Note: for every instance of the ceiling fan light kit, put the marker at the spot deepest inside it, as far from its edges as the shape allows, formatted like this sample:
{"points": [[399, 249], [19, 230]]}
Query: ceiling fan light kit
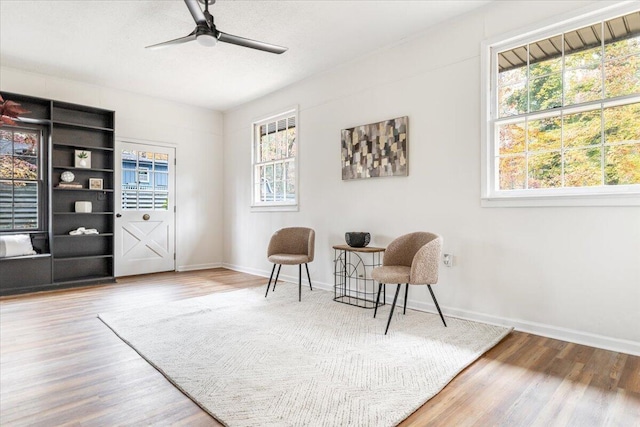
{"points": [[207, 34], [207, 40]]}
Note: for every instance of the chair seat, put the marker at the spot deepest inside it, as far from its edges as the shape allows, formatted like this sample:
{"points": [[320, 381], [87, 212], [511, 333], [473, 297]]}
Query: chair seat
{"points": [[289, 259], [391, 274]]}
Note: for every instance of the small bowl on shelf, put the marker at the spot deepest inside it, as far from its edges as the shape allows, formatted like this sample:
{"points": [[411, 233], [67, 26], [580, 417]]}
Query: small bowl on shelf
{"points": [[357, 239]]}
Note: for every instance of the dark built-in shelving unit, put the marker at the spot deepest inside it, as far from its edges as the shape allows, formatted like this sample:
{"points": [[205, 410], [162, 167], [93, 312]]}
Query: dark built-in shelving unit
{"points": [[66, 260]]}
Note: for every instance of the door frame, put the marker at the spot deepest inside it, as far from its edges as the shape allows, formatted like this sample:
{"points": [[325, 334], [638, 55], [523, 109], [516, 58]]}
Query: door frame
{"points": [[118, 183]]}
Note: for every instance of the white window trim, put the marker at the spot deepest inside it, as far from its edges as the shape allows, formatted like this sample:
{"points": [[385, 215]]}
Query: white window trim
{"points": [[628, 195], [276, 206]]}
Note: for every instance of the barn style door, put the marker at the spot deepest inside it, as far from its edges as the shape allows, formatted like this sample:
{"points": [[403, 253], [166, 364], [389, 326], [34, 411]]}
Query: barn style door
{"points": [[145, 209]]}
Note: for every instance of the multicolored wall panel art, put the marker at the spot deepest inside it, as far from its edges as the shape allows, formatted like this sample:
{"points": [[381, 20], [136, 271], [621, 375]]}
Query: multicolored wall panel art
{"points": [[377, 149]]}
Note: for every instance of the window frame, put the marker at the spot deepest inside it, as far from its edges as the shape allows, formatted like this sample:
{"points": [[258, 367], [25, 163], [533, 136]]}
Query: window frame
{"points": [[255, 205], [623, 195], [42, 179]]}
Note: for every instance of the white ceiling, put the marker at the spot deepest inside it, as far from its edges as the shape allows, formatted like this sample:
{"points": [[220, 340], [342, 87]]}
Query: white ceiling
{"points": [[102, 42]]}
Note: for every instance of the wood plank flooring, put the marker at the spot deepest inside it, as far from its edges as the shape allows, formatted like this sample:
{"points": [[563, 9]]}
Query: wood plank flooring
{"points": [[60, 366]]}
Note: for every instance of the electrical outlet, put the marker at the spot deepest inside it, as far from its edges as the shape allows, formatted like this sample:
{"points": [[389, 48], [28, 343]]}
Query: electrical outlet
{"points": [[447, 259]]}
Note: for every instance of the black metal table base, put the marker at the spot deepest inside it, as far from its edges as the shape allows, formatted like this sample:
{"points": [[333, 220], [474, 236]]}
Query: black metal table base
{"points": [[353, 284]]}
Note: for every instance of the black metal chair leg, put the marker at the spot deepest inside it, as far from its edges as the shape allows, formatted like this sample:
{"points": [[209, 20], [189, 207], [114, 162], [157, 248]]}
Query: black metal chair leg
{"points": [[277, 275], [437, 306], [377, 300], [270, 277], [392, 307], [308, 276], [406, 295], [299, 282]]}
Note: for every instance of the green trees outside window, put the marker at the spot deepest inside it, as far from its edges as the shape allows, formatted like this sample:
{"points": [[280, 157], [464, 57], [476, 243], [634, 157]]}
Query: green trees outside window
{"points": [[19, 178], [568, 110]]}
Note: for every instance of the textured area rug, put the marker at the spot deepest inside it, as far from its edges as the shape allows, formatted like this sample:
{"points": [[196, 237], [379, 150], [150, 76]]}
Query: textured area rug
{"points": [[255, 361]]}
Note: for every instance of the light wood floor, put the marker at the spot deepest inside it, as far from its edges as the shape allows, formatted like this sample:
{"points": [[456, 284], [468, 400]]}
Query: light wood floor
{"points": [[59, 365]]}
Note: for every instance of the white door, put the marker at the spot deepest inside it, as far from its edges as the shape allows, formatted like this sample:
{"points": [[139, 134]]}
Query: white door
{"points": [[145, 209]]}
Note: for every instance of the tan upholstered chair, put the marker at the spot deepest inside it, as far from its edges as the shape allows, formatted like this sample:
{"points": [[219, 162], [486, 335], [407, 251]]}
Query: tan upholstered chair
{"points": [[412, 259], [291, 246]]}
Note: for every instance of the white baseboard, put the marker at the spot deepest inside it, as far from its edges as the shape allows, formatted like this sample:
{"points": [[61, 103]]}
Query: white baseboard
{"points": [[194, 267], [283, 277], [549, 331], [247, 270]]}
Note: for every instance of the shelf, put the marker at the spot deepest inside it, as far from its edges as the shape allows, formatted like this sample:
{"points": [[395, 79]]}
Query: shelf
{"points": [[82, 169], [68, 260], [81, 126], [39, 108], [85, 280], [25, 257], [104, 190], [29, 232], [88, 117], [81, 258], [77, 236], [27, 120], [83, 213], [81, 146]]}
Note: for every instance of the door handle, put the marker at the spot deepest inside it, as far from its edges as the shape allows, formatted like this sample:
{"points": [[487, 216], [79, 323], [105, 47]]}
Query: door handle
{"points": [[118, 215], [146, 217]]}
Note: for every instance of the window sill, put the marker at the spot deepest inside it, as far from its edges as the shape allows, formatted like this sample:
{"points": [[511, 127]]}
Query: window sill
{"points": [[513, 201], [274, 208]]}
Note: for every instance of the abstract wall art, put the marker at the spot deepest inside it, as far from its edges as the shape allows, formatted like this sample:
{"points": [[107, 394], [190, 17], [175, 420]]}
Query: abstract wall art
{"points": [[377, 149]]}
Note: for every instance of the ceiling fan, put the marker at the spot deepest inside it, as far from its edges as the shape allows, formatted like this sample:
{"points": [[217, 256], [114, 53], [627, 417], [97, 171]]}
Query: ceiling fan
{"points": [[207, 34]]}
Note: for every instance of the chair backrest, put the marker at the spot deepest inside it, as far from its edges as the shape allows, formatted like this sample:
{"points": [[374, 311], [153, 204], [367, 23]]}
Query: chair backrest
{"points": [[424, 270], [293, 241], [402, 250]]}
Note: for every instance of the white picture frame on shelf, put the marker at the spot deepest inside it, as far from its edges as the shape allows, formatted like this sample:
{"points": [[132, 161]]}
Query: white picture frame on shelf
{"points": [[82, 159], [96, 184]]}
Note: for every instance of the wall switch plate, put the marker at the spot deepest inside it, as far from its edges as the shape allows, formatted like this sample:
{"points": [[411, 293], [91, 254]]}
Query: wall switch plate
{"points": [[447, 259]]}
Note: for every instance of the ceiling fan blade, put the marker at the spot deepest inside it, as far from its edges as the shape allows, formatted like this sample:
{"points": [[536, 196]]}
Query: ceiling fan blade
{"points": [[254, 44], [196, 12], [181, 40]]}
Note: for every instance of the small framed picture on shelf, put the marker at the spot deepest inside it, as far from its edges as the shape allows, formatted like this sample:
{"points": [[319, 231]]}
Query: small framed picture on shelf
{"points": [[82, 159], [95, 183]]}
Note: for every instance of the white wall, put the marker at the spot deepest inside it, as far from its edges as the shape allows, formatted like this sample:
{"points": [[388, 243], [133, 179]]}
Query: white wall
{"points": [[195, 132], [572, 273]]}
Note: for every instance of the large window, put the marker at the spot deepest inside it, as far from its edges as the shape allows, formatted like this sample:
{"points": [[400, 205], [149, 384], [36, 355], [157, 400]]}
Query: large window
{"points": [[275, 152], [20, 178], [564, 113]]}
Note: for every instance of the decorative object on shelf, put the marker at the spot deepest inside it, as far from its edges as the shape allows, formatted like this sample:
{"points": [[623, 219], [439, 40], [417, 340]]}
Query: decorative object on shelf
{"points": [[83, 207], [67, 180], [9, 112], [73, 184], [81, 230], [82, 159], [377, 149], [67, 176], [357, 239], [96, 183]]}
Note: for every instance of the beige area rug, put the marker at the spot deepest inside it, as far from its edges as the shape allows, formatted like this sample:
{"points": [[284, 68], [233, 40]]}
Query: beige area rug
{"points": [[254, 361]]}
